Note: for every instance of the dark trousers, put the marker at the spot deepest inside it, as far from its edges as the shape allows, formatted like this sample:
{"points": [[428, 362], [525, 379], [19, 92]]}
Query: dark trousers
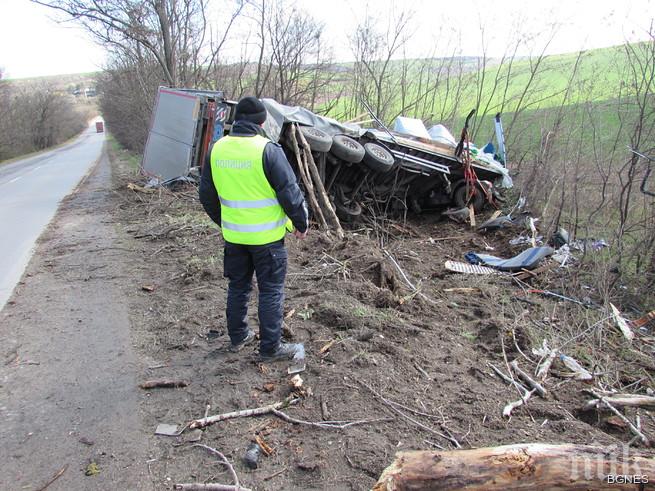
{"points": [[269, 262]]}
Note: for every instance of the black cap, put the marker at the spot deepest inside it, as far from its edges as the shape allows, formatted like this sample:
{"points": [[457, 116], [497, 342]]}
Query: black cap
{"points": [[251, 109]]}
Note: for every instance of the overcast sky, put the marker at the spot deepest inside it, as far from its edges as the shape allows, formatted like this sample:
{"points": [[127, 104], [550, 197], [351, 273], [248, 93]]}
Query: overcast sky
{"points": [[32, 44]]}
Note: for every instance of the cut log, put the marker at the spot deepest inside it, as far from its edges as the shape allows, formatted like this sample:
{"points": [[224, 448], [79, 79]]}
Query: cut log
{"points": [[516, 467]]}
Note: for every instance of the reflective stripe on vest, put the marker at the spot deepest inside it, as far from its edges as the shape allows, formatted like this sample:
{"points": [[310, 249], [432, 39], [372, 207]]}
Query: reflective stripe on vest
{"points": [[250, 211], [257, 203], [254, 228]]}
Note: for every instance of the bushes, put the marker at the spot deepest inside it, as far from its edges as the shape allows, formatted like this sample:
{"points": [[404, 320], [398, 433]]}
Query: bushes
{"points": [[126, 94], [34, 116]]}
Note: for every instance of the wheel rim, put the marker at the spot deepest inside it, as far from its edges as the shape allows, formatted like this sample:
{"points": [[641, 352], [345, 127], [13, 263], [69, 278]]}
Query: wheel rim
{"points": [[349, 143], [378, 152]]}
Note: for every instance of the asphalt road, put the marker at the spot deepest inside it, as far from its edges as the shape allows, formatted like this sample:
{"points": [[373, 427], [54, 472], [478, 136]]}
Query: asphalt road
{"points": [[30, 192]]}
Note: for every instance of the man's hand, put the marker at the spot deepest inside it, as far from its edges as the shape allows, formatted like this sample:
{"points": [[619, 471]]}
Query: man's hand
{"points": [[300, 235]]}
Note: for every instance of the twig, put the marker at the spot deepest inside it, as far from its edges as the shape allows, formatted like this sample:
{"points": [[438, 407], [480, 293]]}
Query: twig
{"points": [[339, 425], [429, 442], [392, 405], [281, 471], [223, 461], [409, 283], [54, 478], [423, 372]]}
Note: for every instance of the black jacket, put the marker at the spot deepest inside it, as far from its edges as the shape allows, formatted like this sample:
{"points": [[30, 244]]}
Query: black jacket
{"points": [[276, 169]]}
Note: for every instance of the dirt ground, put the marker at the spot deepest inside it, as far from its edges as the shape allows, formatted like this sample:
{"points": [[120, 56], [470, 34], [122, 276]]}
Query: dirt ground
{"points": [[370, 339]]}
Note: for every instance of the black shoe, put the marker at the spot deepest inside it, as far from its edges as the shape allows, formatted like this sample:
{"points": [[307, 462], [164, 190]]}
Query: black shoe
{"points": [[284, 351], [250, 337]]}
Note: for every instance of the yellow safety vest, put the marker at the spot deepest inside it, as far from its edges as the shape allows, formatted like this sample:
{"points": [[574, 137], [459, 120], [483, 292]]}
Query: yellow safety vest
{"points": [[250, 211]]}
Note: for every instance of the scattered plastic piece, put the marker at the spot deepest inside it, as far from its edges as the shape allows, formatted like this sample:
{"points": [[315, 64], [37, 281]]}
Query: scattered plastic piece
{"points": [[528, 259]]}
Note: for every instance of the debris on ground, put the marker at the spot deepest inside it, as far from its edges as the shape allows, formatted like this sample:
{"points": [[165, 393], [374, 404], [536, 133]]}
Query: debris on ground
{"points": [[400, 344]]}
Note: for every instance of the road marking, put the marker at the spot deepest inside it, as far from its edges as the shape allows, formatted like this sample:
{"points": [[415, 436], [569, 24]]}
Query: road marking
{"points": [[14, 179]]}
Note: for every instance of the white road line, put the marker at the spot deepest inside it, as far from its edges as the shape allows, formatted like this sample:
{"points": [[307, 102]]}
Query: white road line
{"points": [[14, 179]]}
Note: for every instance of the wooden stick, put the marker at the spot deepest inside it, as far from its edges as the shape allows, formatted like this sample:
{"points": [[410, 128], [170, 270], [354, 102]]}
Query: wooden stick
{"points": [[329, 211], [203, 422], [472, 216], [305, 179], [163, 383], [528, 380]]}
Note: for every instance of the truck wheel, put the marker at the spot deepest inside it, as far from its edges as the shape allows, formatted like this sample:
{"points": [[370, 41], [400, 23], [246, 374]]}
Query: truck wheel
{"points": [[478, 199], [347, 212], [377, 158], [319, 141], [347, 149]]}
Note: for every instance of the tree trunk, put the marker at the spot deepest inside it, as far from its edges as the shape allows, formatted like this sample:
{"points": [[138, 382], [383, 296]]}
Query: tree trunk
{"points": [[523, 466]]}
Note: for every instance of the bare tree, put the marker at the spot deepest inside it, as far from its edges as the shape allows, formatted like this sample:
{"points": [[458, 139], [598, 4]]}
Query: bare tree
{"points": [[374, 79], [174, 32]]}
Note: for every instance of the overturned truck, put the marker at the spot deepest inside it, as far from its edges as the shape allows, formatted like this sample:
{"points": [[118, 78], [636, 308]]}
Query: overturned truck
{"points": [[407, 168]]}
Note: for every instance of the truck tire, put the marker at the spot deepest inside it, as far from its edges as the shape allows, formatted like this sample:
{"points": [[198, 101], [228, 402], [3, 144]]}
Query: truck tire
{"points": [[377, 158], [346, 209], [347, 149], [319, 141], [478, 199]]}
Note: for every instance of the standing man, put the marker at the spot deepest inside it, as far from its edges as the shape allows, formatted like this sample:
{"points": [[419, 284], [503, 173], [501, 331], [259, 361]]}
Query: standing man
{"points": [[250, 190]]}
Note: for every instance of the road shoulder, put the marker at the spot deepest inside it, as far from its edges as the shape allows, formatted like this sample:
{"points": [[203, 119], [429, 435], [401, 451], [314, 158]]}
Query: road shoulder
{"points": [[70, 396]]}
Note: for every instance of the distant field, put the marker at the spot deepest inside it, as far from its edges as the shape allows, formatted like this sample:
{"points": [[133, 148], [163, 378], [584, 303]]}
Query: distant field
{"points": [[598, 76]]}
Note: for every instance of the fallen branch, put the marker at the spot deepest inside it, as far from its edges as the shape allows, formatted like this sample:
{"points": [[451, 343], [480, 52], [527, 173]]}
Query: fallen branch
{"points": [[206, 421], [523, 466], [163, 383], [309, 188], [631, 400], [618, 413], [322, 195], [528, 380]]}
